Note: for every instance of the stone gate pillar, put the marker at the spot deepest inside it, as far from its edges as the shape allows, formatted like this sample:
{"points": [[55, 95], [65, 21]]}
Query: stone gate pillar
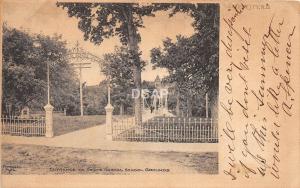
{"points": [[49, 120], [143, 104], [154, 103], [109, 110], [166, 103]]}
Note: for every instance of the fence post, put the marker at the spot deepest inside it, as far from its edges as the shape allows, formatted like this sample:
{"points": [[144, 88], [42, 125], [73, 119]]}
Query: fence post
{"points": [[49, 120], [109, 109]]}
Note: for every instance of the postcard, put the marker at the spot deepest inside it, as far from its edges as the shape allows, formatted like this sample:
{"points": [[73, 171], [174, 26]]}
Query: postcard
{"points": [[150, 94]]}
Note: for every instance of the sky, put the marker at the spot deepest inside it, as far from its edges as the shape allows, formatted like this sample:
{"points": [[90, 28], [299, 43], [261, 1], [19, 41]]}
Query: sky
{"points": [[43, 16]]}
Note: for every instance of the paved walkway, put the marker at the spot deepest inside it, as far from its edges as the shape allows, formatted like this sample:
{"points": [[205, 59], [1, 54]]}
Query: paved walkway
{"points": [[94, 138]]}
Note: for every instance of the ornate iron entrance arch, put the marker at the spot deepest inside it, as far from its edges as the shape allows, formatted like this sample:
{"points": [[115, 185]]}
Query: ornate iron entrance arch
{"points": [[79, 54]]}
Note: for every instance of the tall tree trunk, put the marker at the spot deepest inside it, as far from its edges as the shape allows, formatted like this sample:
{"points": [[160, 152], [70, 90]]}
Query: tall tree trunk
{"points": [[177, 103], [189, 106], [11, 109], [133, 49], [121, 109], [189, 103], [214, 106]]}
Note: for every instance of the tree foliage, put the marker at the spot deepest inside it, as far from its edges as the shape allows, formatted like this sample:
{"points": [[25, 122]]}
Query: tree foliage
{"points": [[99, 21], [192, 62], [118, 67], [95, 99], [25, 58], [191, 66]]}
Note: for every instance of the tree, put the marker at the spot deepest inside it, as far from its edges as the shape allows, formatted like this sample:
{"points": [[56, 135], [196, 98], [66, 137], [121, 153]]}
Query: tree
{"points": [[24, 71], [104, 20], [19, 78], [192, 62], [95, 99], [63, 78], [115, 65], [206, 24], [190, 66]]}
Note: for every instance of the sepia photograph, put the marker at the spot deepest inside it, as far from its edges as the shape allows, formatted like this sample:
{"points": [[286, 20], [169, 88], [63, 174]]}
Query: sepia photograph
{"points": [[109, 88], [149, 94]]}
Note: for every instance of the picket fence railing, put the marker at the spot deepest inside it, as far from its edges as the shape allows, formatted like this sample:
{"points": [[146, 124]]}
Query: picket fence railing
{"points": [[17, 126], [167, 129]]}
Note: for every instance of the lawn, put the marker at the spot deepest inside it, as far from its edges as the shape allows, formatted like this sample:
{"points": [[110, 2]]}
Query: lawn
{"points": [[42, 160], [65, 124]]}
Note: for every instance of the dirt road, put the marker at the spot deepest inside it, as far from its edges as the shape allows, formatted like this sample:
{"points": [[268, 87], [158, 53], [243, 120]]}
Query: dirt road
{"points": [[34, 159]]}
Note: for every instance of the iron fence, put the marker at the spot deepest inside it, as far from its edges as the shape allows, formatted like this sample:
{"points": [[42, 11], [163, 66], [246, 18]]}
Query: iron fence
{"points": [[167, 129], [17, 126]]}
